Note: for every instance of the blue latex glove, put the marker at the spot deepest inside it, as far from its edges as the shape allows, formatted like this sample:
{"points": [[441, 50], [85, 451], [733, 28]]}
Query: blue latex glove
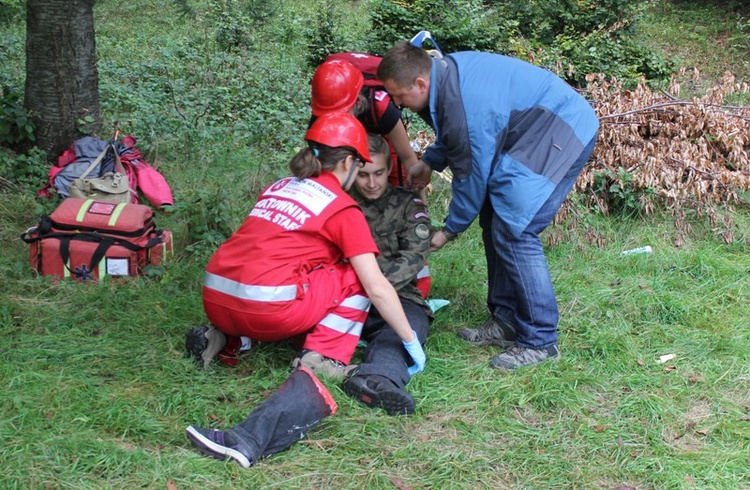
{"points": [[414, 348]]}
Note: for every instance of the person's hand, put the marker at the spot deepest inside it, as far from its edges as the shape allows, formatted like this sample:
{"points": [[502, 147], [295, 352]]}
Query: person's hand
{"points": [[438, 241], [414, 348], [418, 176]]}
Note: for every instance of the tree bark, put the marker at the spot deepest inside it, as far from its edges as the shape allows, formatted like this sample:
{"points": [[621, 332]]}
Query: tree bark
{"points": [[62, 81]]}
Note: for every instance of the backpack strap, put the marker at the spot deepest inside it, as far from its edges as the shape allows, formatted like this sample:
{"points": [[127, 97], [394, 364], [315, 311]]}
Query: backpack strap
{"points": [[96, 162], [119, 167]]}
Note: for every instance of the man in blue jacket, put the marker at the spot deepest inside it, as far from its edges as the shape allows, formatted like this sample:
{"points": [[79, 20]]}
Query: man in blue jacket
{"points": [[516, 137]]}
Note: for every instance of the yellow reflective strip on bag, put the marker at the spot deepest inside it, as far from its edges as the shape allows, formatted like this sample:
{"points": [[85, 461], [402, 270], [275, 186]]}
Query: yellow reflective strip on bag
{"points": [[102, 267], [66, 270], [116, 214], [82, 211]]}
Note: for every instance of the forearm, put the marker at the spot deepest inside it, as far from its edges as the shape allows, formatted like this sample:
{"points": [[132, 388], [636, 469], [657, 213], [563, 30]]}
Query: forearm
{"points": [[389, 306], [399, 138], [382, 294], [434, 157]]}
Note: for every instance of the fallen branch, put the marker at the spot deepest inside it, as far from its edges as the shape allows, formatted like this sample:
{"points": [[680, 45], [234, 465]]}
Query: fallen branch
{"points": [[645, 109], [677, 102]]}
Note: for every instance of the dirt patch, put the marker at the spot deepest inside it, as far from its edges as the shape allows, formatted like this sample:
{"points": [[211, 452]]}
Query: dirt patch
{"points": [[689, 431]]}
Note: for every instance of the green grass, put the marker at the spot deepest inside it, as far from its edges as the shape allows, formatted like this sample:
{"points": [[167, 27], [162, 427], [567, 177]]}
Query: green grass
{"points": [[96, 392], [706, 34], [100, 396]]}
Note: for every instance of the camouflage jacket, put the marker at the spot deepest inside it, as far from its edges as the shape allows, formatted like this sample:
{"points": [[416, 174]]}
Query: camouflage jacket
{"points": [[400, 225]]}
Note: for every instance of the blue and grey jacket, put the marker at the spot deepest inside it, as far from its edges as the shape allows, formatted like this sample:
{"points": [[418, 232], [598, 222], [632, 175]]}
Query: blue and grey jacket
{"points": [[504, 127]]}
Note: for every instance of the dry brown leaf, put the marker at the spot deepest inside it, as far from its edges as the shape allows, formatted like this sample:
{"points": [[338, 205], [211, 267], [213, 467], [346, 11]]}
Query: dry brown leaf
{"points": [[399, 484]]}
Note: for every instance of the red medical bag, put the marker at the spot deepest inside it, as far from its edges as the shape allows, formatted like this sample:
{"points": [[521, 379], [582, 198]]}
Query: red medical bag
{"points": [[85, 240]]}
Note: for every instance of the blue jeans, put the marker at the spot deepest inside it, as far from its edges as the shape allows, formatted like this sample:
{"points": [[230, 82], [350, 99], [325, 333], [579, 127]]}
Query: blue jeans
{"points": [[520, 291]]}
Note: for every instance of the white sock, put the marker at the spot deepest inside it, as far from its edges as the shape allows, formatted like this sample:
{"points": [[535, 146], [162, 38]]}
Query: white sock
{"points": [[247, 343]]}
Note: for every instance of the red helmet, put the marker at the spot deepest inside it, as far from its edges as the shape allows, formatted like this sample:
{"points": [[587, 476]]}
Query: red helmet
{"points": [[337, 129], [335, 87]]}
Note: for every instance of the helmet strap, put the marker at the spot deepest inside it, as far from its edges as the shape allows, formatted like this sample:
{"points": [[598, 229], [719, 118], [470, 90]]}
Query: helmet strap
{"points": [[352, 170]]}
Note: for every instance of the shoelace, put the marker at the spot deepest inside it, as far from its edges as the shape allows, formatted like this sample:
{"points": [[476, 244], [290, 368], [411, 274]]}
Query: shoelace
{"points": [[515, 350], [336, 363]]}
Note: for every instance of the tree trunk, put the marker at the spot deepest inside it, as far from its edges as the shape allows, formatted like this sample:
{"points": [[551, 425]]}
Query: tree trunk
{"points": [[62, 81]]}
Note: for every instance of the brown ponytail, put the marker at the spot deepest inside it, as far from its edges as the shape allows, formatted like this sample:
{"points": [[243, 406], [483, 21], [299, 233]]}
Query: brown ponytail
{"points": [[306, 164]]}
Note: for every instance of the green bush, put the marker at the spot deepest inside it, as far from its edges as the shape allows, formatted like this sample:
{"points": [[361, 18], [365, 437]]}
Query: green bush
{"points": [[11, 11], [457, 25], [618, 193], [333, 30], [25, 171], [210, 218], [16, 127], [545, 20], [202, 93], [578, 36], [602, 52], [323, 37], [233, 27], [234, 21]]}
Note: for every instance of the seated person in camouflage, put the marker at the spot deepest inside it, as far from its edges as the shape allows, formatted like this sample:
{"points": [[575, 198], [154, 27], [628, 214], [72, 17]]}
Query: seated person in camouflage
{"points": [[400, 226]]}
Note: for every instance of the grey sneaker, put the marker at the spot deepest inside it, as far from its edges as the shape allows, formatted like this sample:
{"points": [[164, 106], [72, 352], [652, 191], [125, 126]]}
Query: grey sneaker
{"points": [[493, 332], [203, 343], [319, 364], [516, 357]]}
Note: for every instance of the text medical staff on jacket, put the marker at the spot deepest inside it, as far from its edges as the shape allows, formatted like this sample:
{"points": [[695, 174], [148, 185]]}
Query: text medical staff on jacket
{"points": [[516, 137], [304, 261]]}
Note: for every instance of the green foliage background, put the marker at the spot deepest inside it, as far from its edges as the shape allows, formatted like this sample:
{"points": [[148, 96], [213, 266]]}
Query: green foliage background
{"points": [[570, 37]]}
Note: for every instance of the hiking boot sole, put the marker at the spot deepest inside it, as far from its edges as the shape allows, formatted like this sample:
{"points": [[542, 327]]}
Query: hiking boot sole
{"points": [[196, 343], [393, 401]]}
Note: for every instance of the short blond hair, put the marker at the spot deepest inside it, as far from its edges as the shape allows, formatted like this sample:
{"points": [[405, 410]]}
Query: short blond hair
{"points": [[379, 146]]}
